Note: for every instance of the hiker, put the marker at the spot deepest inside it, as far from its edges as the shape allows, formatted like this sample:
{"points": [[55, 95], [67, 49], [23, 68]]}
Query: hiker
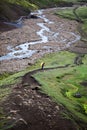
{"points": [[42, 65]]}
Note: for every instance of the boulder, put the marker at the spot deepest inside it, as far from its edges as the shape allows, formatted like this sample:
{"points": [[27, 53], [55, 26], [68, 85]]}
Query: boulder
{"points": [[77, 95]]}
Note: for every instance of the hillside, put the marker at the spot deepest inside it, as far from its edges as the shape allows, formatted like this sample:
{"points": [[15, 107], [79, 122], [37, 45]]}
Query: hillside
{"points": [[55, 97], [11, 11]]}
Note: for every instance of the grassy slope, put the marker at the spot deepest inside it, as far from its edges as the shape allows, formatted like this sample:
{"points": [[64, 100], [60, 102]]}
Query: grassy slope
{"points": [[24, 3], [62, 84], [82, 14], [7, 81], [13, 9]]}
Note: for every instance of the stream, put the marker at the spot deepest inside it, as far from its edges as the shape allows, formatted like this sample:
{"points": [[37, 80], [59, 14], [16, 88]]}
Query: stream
{"points": [[23, 50]]}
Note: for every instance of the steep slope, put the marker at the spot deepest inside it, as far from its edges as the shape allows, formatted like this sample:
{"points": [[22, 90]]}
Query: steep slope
{"points": [[9, 11]]}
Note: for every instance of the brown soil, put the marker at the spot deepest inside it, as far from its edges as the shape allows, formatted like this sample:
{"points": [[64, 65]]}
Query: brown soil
{"points": [[29, 109]]}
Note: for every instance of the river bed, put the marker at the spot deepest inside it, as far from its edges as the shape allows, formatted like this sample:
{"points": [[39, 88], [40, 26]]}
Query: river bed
{"points": [[22, 51], [53, 35]]}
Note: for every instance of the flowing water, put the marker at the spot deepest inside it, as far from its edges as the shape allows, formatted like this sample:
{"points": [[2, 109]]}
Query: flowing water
{"points": [[23, 51]]}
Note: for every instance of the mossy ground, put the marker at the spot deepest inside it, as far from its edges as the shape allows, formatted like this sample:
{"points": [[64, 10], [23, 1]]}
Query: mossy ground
{"points": [[63, 83]]}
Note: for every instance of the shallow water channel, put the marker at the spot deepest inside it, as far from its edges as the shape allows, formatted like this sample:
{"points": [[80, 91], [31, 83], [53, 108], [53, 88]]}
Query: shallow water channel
{"points": [[23, 50]]}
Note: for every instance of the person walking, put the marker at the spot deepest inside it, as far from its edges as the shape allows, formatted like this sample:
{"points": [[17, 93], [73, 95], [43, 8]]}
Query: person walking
{"points": [[42, 65]]}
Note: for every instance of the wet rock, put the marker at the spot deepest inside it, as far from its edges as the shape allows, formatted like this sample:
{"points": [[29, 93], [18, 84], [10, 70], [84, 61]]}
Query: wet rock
{"points": [[33, 16], [38, 51], [77, 95]]}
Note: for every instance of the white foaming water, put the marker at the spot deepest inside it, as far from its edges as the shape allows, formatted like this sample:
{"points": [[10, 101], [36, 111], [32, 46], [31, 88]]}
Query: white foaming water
{"points": [[23, 51]]}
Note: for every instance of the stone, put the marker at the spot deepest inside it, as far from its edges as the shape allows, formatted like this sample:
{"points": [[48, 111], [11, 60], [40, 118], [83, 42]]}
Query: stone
{"points": [[36, 88], [57, 107], [77, 95], [9, 118], [13, 111], [21, 121]]}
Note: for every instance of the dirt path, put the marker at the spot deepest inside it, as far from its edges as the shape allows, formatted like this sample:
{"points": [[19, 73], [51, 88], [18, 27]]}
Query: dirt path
{"points": [[29, 109]]}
